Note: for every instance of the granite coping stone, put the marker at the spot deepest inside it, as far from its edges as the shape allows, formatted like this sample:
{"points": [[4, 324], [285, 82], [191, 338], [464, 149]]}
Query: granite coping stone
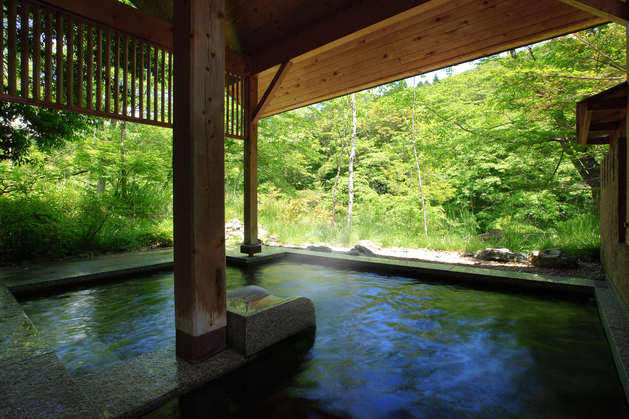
{"points": [[41, 387], [248, 293], [616, 327], [258, 324], [438, 271], [131, 388]]}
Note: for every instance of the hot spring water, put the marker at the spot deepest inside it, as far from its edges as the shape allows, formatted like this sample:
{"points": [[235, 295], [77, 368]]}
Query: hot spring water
{"points": [[384, 346]]}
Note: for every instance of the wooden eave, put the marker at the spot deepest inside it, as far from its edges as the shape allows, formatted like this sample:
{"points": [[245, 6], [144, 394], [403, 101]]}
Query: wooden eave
{"points": [[601, 118]]}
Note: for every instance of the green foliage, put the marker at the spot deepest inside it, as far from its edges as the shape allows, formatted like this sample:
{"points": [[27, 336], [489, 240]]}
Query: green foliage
{"points": [[24, 127], [496, 148]]}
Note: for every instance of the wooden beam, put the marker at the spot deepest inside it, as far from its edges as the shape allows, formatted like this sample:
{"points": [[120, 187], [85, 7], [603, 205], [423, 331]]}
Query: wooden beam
{"points": [[614, 104], [118, 16], [604, 127], [198, 175], [612, 10], [271, 90], [598, 140], [347, 23]]}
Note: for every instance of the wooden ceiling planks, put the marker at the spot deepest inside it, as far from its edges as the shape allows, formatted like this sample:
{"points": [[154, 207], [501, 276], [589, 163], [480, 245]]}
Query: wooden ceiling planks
{"points": [[454, 32], [342, 46]]}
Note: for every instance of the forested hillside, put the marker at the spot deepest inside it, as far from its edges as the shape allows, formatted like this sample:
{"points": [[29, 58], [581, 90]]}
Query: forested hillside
{"points": [[494, 147]]}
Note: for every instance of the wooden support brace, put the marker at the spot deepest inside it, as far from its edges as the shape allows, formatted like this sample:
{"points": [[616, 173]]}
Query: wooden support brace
{"points": [[271, 90], [613, 10]]}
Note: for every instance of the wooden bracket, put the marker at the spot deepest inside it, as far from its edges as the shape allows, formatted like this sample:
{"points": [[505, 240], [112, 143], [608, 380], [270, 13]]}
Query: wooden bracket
{"points": [[271, 90], [613, 10]]}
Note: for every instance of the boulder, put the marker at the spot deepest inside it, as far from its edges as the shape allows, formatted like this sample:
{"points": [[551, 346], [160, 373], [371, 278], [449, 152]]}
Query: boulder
{"points": [[554, 258], [500, 254], [366, 247]]}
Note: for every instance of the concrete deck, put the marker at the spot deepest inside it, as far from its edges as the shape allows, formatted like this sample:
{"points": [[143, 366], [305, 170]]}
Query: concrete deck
{"points": [[36, 384]]}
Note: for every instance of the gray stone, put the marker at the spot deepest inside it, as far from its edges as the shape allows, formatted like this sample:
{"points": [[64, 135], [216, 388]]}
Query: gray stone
{"points": [[42, 388], [495, 234], [324, 249], [248, 293], [468, 255], [500, 254], [367, 247], [554, 258], [255, 325], [589, 256], [353, 252]]}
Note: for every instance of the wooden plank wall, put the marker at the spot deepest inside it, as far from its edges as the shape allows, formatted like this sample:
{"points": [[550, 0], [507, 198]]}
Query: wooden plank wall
{"points": [[59, 60]]}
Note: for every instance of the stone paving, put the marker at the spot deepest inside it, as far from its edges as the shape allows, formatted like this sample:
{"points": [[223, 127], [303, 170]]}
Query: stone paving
{"points": [[34, 383]]}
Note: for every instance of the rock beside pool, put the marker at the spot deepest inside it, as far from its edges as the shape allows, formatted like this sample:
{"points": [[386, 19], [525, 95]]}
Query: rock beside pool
{"points": [[554, 258], [500, 254], [324, 249], [366, 247]]}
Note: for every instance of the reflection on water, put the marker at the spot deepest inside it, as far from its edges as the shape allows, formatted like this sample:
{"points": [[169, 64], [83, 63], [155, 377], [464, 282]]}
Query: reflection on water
{"points": [[384, 347]]}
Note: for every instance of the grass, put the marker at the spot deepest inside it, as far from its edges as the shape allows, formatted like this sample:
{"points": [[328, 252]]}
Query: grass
{"points": [[299, 224], [295, 221]]}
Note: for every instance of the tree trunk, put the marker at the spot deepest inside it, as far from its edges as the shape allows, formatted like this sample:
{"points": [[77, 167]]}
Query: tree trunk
{"points": [[419, 172], [338, 172], [352, 156]]}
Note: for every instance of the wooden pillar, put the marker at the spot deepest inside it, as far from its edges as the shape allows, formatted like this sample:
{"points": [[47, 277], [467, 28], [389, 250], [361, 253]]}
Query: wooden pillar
{"points": [[199, 196], [251, 245]]}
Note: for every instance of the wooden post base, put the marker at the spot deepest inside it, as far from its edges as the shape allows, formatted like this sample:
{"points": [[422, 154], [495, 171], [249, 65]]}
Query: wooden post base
{"points": [[195, 349], [251, 249]]}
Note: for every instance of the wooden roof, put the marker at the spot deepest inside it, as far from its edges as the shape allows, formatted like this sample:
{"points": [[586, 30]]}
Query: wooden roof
{"points": [[601, 118], [342, 46]]}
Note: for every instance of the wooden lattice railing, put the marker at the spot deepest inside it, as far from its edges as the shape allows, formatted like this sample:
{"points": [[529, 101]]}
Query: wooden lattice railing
{"points": [[55, 59], [236, 95]]}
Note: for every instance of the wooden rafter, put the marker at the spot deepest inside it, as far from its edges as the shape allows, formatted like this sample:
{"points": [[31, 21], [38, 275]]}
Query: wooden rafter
{"points": [[613, 10], [271, 90]]}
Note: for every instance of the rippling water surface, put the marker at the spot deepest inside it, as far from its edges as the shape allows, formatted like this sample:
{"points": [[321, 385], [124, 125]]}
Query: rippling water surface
{"points": [[384, 346]]}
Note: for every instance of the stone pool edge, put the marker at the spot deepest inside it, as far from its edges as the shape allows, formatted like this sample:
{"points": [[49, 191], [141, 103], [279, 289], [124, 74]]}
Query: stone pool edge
{"points": [[135, 387]]}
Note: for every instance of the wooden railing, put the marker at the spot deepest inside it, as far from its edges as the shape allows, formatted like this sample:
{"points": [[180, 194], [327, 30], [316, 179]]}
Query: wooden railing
{"points": [[54, 59], [50, 57], [236, 96]]}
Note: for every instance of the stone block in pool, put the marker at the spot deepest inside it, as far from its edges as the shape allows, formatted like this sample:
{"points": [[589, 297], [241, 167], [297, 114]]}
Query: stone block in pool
{"points": [[257, 320]]}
